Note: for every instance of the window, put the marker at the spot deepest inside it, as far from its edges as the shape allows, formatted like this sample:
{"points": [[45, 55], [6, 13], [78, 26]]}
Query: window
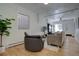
{"points": [[23, 21], [58, 27]]}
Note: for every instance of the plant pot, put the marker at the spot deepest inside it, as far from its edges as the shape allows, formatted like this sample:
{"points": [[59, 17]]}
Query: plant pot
{"points": [[2, 49]]}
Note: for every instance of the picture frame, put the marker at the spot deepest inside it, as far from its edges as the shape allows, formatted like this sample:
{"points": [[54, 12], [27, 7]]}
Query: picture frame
{"points": [[23, 21]]}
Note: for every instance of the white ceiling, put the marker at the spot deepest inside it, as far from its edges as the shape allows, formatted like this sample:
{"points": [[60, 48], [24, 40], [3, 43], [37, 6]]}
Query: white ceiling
{"points": [[50, 8]]}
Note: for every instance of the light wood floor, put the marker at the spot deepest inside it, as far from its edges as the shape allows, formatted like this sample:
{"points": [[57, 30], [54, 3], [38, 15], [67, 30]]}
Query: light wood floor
{"points": [[70, 48]]}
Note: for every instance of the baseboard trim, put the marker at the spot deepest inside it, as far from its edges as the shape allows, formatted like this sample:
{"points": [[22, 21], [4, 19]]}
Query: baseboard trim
{"points": [[15, 44]]}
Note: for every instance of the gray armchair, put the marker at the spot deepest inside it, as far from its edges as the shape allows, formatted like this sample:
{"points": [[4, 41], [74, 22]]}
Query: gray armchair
{"points": [[33, 42]]}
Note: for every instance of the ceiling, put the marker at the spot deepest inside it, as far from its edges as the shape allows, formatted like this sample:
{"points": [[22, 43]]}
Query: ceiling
{"points": [[50, 8]]}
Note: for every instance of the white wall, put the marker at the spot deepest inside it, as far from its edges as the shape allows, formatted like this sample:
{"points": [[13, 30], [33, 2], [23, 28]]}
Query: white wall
{"points": [[42, 21], [16, 35], [69, 26], [77, 30]]}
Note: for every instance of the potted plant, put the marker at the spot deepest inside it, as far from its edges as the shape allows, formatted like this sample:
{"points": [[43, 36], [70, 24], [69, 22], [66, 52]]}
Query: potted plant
{"points": [[4, 29]]}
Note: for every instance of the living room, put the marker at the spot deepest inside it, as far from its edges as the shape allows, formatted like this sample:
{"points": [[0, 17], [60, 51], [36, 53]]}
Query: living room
{"points": [[37, 17]]}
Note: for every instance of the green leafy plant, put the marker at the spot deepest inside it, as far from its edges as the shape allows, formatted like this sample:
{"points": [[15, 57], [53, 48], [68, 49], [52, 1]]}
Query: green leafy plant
{"points": [[4, 28]]}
